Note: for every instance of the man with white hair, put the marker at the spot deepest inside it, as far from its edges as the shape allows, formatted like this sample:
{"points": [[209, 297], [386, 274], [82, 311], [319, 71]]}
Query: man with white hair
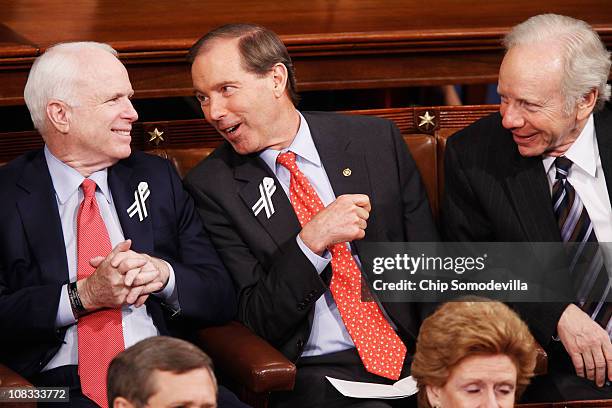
{"points": [[100, 246], [541, 171]]}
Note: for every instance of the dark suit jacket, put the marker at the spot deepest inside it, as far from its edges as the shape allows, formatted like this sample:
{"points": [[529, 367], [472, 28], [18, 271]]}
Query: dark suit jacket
{"points": [[278, 285], [33, 265], [492, 193]]}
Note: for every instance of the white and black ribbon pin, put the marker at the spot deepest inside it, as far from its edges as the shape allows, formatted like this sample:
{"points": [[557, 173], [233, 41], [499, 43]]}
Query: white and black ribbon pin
{"points": [[140, 196], [266, 189]]}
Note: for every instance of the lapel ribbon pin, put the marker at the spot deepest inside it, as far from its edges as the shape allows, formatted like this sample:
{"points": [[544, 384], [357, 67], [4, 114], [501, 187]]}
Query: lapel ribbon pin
{"points": [[140, 196], [266, 189]]}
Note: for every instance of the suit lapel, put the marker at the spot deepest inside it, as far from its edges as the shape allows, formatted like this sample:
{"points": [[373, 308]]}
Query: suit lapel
{"points": [[530, 194], [283, 224], [336, 153], [38, 209], [529, 187], [123, 181], [345, 165], [603, 130]]}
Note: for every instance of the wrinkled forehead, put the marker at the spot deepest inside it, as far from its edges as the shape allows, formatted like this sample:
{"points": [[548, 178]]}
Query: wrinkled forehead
{"points": [[101, 72], [101, 65], [538, 67]]}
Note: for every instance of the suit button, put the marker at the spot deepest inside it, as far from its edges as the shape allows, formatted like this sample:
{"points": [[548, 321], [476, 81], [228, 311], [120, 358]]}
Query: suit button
{"points": [[300, 344], [301, 306]]}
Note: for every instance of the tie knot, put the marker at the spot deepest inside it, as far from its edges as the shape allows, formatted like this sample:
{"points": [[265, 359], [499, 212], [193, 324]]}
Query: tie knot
{"points": [[563, 165], [89, 188], [287, 160]]}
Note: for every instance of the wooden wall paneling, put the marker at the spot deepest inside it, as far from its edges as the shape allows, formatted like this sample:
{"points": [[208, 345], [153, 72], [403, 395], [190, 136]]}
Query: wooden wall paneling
{"points": [[338, 44]]}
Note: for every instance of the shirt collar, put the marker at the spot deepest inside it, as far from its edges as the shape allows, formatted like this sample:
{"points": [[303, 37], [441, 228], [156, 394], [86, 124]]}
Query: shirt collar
{"points": [[583, 152], [66, 180], [302, 145]]}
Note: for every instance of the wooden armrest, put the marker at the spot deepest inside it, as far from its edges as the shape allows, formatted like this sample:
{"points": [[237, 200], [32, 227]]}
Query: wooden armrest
{"points": [[246, 358], [9, 378], [541, 362]]}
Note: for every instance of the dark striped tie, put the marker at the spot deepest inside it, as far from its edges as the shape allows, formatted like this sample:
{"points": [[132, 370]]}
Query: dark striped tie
{"points": [[587, 269]]}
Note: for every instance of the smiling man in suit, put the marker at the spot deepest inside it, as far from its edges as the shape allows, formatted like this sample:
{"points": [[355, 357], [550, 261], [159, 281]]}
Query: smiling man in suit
{"points": [[541, 171], [99, 245], [288, 199]]}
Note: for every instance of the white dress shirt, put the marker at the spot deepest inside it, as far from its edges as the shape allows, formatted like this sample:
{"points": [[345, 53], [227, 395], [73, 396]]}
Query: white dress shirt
{"points": [[587, 177], [328, 333], [137, 322]]}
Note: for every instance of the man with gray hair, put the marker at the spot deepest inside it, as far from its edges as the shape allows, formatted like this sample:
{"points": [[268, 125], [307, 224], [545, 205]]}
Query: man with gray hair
{"points": [[100, 246], [541, 171]]}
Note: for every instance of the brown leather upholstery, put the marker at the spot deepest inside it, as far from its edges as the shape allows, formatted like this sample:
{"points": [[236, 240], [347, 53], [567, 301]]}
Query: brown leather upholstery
{"points": [[184, 159], [423, 150], [252, 365], [9, 378], [256, 368]]}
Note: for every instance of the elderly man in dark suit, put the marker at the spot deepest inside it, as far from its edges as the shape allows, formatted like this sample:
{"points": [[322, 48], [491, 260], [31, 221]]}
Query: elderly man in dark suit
{"points": [[100, 246], [541, 171], [288, 199]]}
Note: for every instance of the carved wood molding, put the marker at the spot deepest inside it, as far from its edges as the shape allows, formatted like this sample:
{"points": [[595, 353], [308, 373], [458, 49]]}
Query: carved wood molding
{"points": [[197, 133]]}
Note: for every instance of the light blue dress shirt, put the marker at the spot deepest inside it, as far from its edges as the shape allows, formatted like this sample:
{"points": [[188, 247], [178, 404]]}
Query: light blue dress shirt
{"points": [[137, 323], [328, 334]]}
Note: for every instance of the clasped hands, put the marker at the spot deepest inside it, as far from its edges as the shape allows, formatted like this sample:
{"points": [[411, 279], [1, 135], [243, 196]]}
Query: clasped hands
{"points": [[122, 277]]}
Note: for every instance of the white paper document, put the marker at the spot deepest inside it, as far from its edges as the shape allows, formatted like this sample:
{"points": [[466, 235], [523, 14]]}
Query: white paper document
{"points": [[401, 389]]}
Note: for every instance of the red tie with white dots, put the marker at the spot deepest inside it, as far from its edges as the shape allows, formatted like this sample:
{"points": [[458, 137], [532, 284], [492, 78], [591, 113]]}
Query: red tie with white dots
{"points": [[380, 348], [100, 333]]}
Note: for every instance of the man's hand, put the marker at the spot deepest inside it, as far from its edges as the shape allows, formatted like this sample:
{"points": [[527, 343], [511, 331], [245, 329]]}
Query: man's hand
{"points": [[151, 277], [142, 274], [106, 286], [343, 220], [587, 344]]}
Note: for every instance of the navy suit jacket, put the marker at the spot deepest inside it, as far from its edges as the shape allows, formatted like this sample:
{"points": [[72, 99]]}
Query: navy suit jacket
{"points": [[33, 265], [278, 285]]}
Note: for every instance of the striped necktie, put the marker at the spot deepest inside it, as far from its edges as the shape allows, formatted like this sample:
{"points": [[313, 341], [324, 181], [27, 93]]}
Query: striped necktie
{"points": [[587, 269]]}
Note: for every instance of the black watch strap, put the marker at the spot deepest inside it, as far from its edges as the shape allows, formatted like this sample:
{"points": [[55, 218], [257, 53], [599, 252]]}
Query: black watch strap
{"points": [[75, 300]]}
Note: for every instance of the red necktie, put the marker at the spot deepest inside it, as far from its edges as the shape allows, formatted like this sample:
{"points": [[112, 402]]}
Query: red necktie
{"points": [[100, 333], [380, 348]]}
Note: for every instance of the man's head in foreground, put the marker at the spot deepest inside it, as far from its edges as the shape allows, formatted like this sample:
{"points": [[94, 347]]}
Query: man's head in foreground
{"points": [[162, 372]]}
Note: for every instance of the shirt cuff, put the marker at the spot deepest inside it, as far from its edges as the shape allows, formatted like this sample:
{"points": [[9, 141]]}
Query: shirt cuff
{"points": [[64, 316], [169, 293], [319, 262]]}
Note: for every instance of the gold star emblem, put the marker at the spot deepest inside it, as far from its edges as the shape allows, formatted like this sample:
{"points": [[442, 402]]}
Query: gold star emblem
{"points": [[427, 121], [346, 172], [156, 137]]}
